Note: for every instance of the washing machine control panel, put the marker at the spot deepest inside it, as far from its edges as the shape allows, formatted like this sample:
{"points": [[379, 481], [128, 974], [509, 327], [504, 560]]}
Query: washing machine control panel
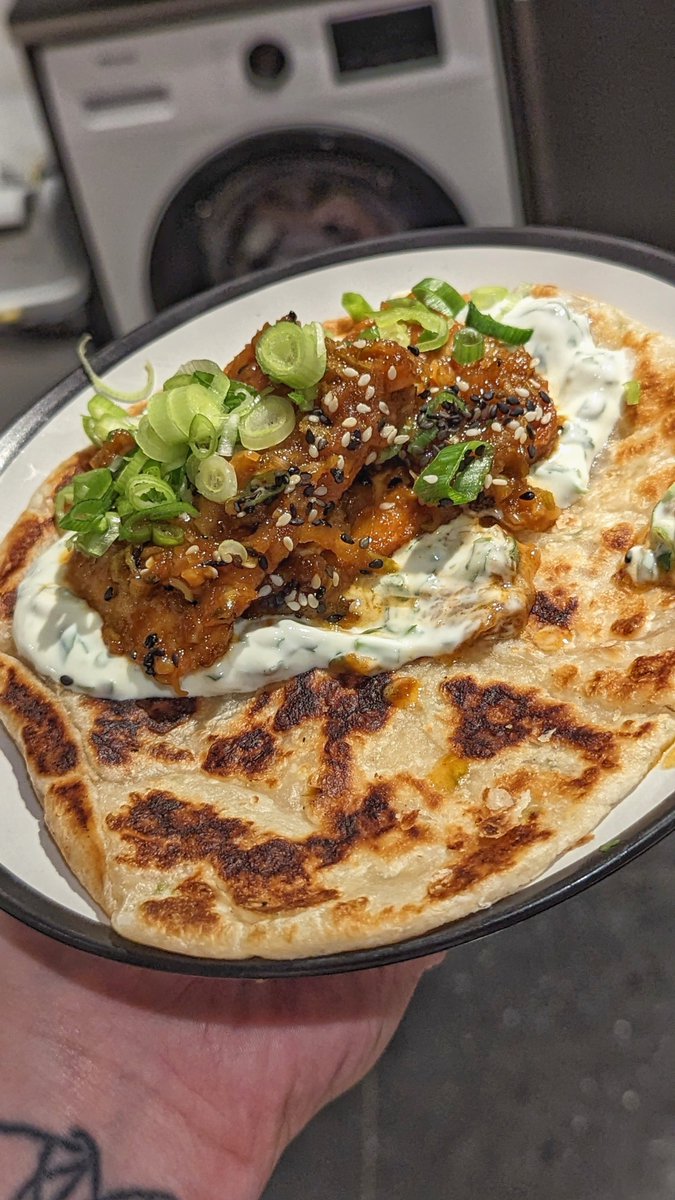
{"points": [[385, 39]]}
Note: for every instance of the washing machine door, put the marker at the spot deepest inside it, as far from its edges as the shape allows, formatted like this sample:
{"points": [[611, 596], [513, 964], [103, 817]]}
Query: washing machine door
{"points": [[274, 198]]}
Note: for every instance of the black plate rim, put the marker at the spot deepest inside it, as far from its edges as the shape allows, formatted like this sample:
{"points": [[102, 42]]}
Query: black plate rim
{"points": [[23, 902]]}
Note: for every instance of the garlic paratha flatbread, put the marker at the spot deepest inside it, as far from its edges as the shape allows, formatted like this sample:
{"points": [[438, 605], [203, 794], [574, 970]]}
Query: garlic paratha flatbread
{"points": [[332, 813]]}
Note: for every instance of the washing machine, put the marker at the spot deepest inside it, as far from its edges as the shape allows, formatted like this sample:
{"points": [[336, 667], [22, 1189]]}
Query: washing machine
{"points": [[203, 141]]}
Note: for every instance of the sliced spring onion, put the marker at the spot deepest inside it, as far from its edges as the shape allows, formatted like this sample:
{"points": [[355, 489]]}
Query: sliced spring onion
{"points": [[63, 500], [146, 491], [86, 517], [132, 467], [164, 534], [293, 354], [171, 413], [216, 479], [357, 306], [511, 334], [488, 296], [152, 445], [440, 296], [98, 541], [92, 485], [468, 346], [457, 473], [411, 312], [631, 392], [177, 380], [203, 437], [230, 549], [104, 388], [268, 423], [104, 418], [305, 400]]}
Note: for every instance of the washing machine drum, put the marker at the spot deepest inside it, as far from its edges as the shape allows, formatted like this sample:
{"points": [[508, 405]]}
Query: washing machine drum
{"points": [[274, 198]]}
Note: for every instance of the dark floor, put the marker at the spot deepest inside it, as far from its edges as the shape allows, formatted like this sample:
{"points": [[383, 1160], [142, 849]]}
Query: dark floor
{"points": [[536, 1065]]}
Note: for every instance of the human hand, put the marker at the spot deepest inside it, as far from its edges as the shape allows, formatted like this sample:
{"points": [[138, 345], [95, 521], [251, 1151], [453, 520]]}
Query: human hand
{"points": [[186, 1087]]}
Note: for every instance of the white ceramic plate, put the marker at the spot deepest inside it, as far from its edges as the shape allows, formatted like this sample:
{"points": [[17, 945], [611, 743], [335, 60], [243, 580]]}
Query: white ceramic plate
{"points": [[35, 884]]}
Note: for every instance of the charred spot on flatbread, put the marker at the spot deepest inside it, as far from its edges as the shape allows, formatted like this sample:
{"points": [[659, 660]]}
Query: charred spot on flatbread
{"points": [[71, 798], [47, 744], [554, 609], [483, 857], [248, 753], [495, 717], [190, 910], [648, 677], [117, 727], [630, 624], [25, 534], [618, 537], [163, 831]]}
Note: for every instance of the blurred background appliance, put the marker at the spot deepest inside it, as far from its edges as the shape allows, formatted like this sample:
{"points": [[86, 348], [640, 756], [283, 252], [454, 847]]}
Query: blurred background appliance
{"points": [[202, 141]]}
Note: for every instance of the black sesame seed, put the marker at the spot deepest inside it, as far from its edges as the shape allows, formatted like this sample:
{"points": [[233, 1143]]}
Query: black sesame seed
{"points": [[309, 490], [309, 437], [151, 640], [532, 452], [365, 542], [67, 680], [376, 563], [527, 495], [338, 475], [175, 658], [263, 561], [531, 433], [425, 395], [136, 555], [544, 396], [345, 537], [328, 507], [394, 482], [297, 521], [492, 412], [488, 395], [354, 441], [109, 593], [517, 410], [503, 406], [335, 617], [292, 316], [321, 443], [414, 350], [293, 510]]}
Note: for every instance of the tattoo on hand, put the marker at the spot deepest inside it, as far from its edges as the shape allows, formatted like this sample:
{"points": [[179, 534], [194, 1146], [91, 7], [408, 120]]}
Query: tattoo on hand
{"points": [[68, 1167]]}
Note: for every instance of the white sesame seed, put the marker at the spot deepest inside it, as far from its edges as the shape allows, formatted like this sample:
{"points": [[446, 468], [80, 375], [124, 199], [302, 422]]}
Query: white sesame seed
{"points": [[349, 423], [288, 543], [345, 440], [390, 439], [401, 439], [284, 519], [328, 399], [547, 418], [521, 435], [392, 373], [335, 578], [471, 432], [312, 514], [350, 373], [430, 478], [369, 392], [462, 385], [277, 512], [500, 482], [537, 414], [313, 452], [292, 594], [239, 514], [367, 434], [191, 550], [363, 408], [360, 344], [313, 418], [313, 602], [488, 481], [384, 408], [340, 462], [354, 606], [276, 580], [265, 591], [333, 406], [536, 362], [496, 426], [364, 380], [303, 599], [386, 504], [387, 430], [522, 392], [321, 491], [371, 458], [512, 424], [293, 605], [316, 581]]}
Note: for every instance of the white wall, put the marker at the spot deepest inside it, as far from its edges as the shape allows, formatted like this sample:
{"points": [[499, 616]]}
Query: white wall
{"points": [[23, 141]]}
